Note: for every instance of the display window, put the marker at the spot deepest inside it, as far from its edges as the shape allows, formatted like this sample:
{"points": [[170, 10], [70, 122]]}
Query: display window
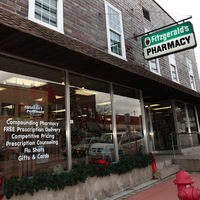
{"points": [[187, 124], [192, 117], [181, 117], [32, 121], [92, 127], [193, 124], [91, 121], [128, 121], [34, 136]]}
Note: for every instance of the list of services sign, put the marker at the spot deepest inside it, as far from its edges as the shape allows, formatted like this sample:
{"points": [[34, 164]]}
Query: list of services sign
{"points": [[171, 40]]}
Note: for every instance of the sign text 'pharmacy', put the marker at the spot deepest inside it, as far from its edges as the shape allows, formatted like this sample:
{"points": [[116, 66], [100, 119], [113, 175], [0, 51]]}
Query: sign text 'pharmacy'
{"points": [[171, 40]]}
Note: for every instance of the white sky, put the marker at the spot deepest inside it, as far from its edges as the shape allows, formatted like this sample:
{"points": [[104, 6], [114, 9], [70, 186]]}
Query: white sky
{"points": [[181, 9]]}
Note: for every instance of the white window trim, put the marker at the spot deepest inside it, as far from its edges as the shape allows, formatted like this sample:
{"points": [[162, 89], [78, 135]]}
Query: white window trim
{"points": [[189, 63], [172, 61], [158, 66], [191, 73], [59, 28], [108, 32], [157, 60]]}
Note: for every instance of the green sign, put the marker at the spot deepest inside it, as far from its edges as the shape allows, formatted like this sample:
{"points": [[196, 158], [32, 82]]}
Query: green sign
{"points": [[171, 40]]}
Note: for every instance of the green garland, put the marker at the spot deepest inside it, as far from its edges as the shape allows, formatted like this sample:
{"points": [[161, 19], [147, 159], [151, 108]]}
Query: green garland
{"points": [[52, 181]]}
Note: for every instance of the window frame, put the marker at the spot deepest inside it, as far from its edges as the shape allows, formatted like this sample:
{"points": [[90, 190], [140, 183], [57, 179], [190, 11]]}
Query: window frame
{"points": [[59, 27], [157, 64], [191, 74], [146, 30], [192, 82], [146, 14], [172, 64], [109, 29]]}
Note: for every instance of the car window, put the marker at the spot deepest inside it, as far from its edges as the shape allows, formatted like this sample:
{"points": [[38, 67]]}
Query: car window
{"points": [[107, 138]]}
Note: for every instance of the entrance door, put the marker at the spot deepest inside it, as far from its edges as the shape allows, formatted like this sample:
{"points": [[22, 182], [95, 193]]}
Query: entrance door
{"points": [[162, 125]]}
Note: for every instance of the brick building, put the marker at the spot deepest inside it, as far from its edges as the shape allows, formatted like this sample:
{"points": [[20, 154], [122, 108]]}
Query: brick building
{"points": [[73, 72]]}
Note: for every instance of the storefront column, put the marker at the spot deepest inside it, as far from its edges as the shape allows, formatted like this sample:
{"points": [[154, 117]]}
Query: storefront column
{"points": [[175, 124], [145, 132], [197, 118], [151, 133], [67, 121], [188, 124], [114, 123]]}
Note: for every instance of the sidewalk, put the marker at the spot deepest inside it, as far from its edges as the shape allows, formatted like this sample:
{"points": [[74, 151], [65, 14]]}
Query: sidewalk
{"points": [[155, 190], [165, 190]]}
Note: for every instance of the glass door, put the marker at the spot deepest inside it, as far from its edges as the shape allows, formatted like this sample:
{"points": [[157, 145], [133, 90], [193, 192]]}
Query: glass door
{"points": [[161, 125]]}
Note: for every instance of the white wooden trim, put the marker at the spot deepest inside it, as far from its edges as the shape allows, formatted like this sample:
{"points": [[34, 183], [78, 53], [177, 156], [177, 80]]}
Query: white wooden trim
{"points": [[59, 27]]}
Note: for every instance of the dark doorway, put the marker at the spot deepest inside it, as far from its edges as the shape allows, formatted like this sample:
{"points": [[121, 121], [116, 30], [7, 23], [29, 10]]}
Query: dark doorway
{"points": [[162, 125]]}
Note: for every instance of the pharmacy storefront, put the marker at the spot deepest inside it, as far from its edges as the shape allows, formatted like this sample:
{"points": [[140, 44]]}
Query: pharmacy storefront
{"points": [[52, 120]]}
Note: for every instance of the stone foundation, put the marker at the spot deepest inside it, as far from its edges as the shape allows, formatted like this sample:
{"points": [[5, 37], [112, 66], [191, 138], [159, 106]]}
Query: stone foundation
{"points": [[94, 188]]}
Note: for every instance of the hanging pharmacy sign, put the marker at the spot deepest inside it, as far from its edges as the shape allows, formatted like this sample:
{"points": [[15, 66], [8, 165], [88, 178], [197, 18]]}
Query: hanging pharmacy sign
{"points": [[171, 40]]}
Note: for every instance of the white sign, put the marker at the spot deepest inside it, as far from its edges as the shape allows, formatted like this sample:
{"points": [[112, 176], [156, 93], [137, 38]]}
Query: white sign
{"points": [[171, 40]]}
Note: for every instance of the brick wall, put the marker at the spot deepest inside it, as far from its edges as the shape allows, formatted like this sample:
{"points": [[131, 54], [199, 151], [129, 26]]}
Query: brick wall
{"points": [[86, 21], [19, 7]]}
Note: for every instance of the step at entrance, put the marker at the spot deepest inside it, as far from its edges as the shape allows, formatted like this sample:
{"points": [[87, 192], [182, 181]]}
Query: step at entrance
{"points": [[167, 171]]}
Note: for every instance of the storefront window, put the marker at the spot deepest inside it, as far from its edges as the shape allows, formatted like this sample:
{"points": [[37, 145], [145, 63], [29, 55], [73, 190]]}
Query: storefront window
{"points": [[91, 121], [181, 117], [128, 121], [192, 118], [32, 121]]}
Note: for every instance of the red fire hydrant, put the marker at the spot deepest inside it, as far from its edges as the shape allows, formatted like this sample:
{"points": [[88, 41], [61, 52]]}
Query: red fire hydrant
{"points": [[153, 163], [185, 189]]}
